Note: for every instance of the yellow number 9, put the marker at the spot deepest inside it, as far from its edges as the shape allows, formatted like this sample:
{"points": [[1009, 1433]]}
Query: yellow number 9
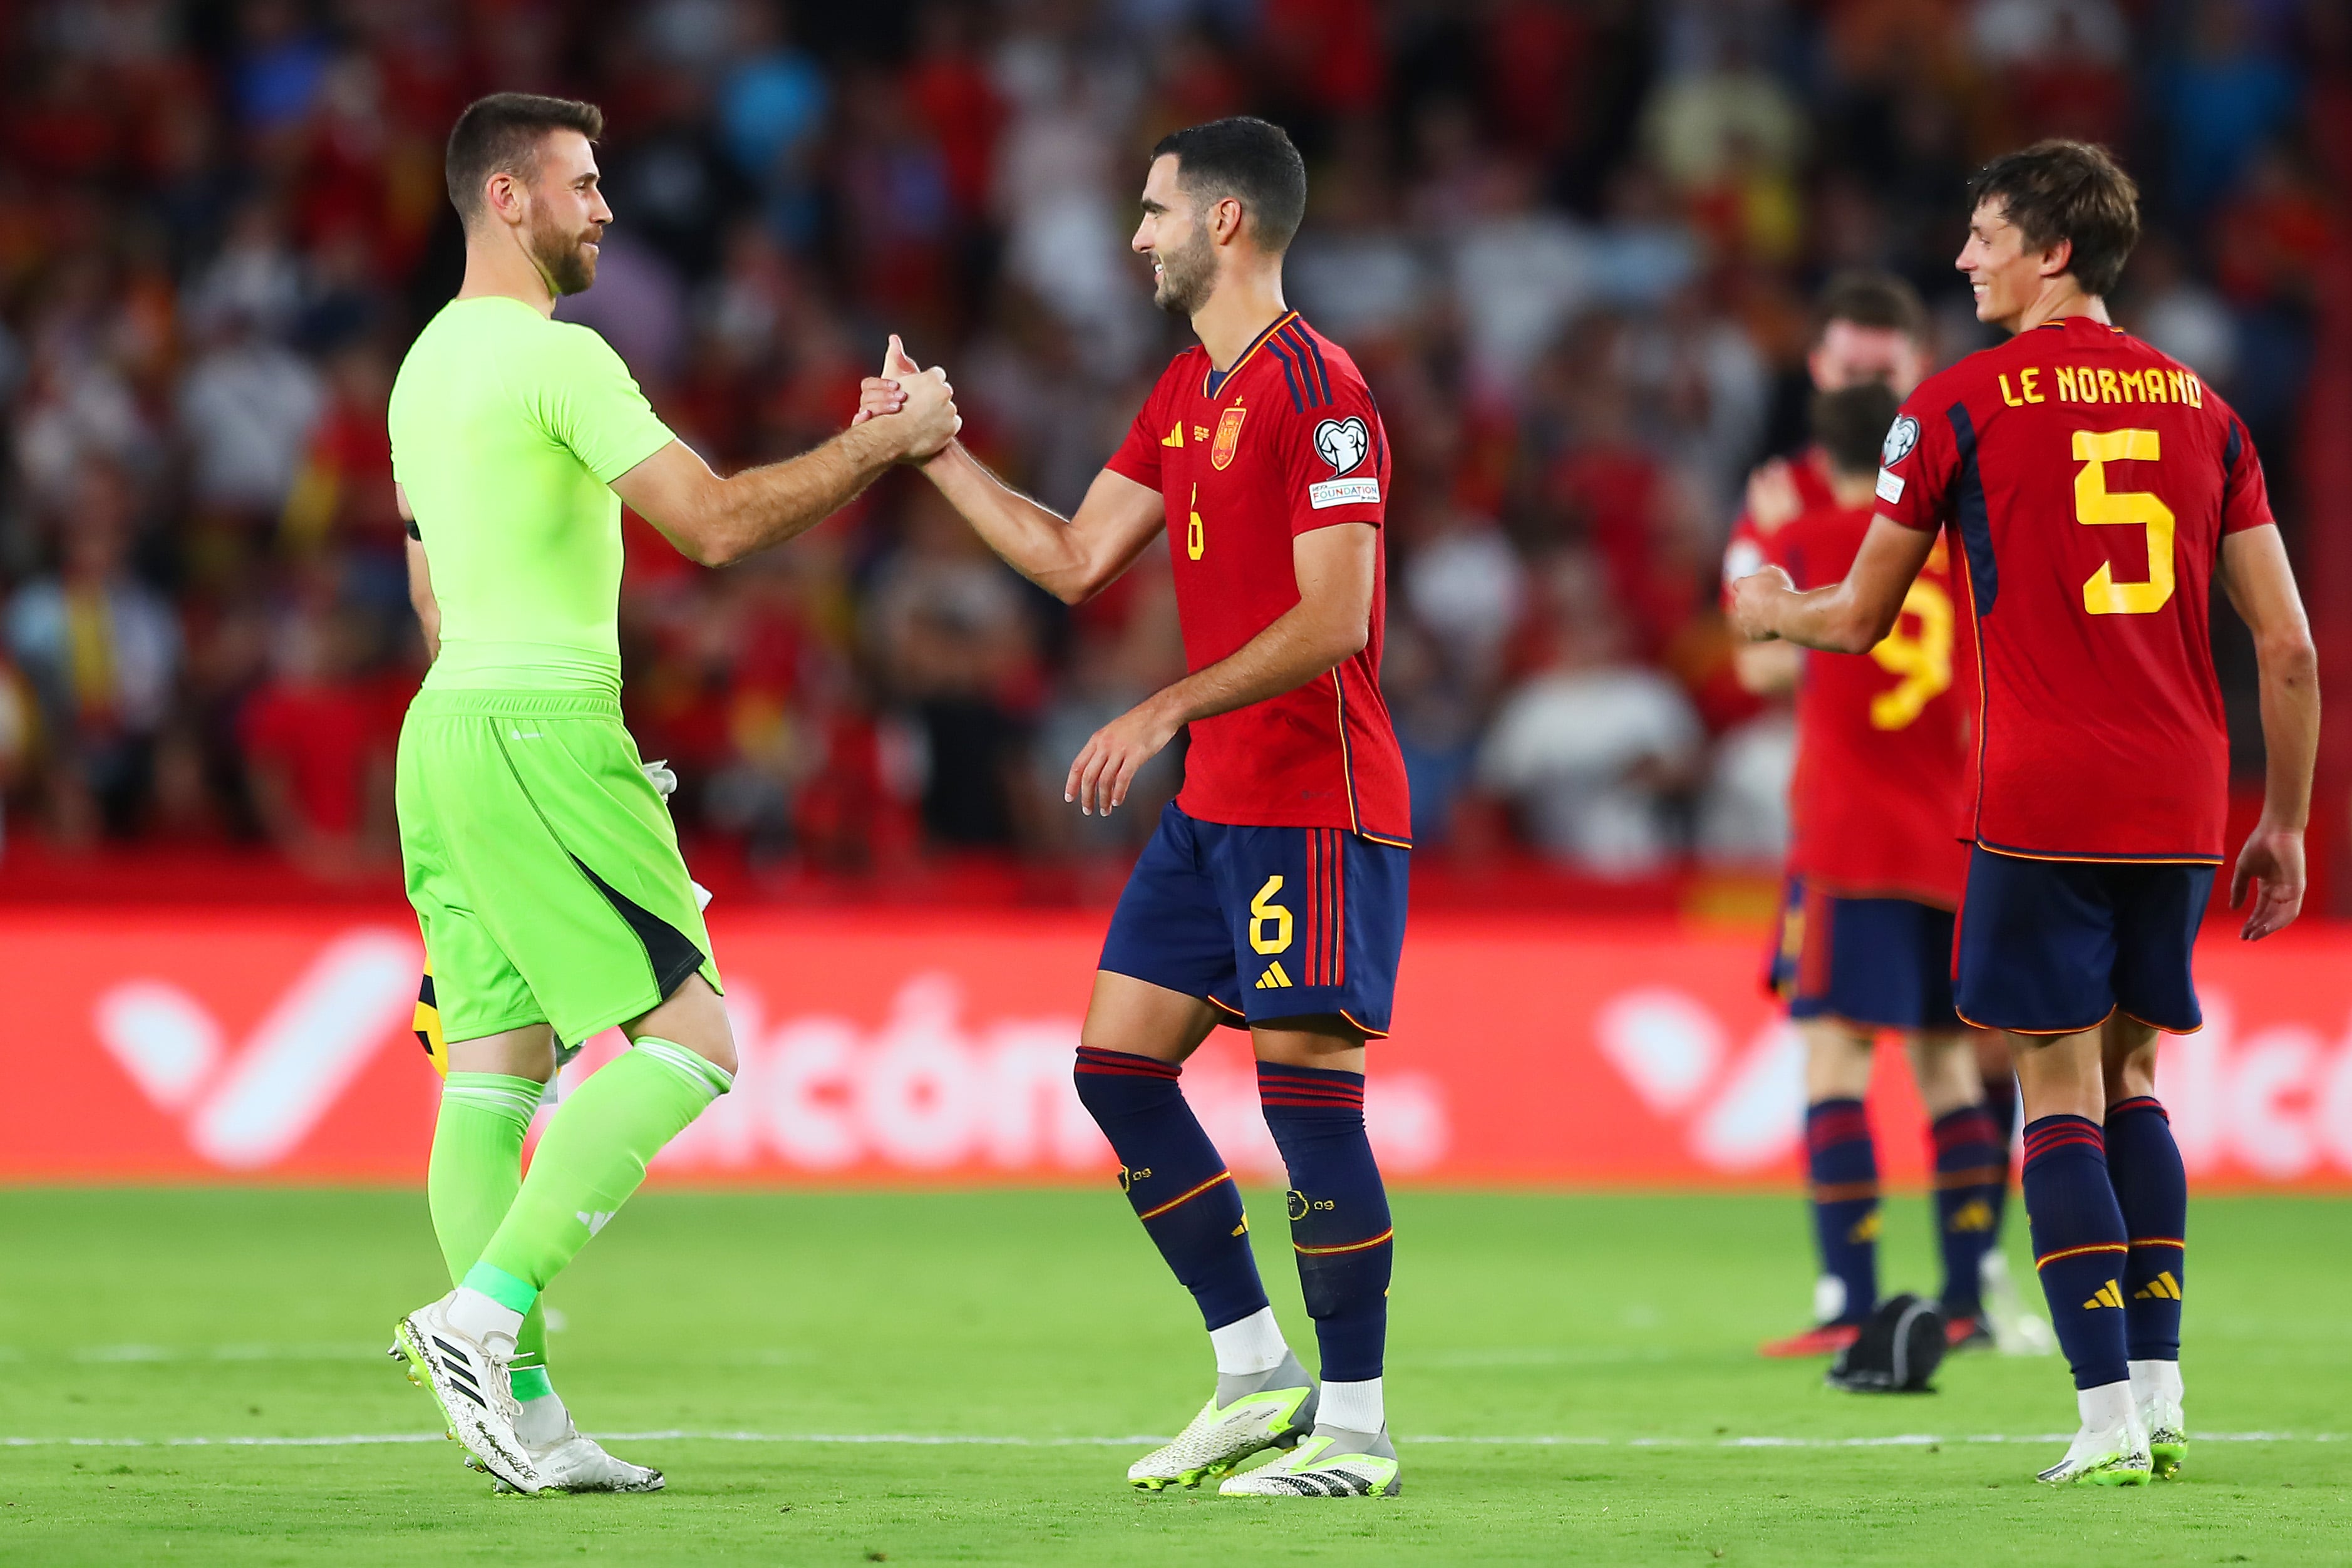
{"points": [[2097, 506], [1924, 660]]}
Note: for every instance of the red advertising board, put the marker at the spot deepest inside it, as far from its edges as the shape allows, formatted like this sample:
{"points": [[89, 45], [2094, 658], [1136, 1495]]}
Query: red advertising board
{"points": [[935, 1047]]}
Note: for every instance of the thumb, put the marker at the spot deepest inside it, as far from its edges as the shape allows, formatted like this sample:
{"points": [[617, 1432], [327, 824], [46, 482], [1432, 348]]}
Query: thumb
{"points": [[2239, 876], [897, 362]]}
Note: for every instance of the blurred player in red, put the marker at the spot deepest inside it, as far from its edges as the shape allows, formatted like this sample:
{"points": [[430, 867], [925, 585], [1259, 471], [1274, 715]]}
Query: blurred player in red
{"points": [[1876, 866], [1875, 869], [1273, 896], [2089, 487]]}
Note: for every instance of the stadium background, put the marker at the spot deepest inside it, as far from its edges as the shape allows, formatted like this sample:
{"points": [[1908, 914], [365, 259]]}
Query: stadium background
{"points": [[1571, 243]]}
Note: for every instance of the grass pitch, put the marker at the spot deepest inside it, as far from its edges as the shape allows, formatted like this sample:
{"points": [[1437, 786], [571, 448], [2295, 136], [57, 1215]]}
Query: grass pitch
{"points": [[918, 1377]]}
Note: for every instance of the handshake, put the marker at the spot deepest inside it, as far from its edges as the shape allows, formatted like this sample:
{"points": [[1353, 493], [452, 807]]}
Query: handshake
{"points": [[916, 406]]}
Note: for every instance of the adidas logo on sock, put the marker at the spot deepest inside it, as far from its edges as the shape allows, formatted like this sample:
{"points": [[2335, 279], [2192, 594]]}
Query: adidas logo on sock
{"points": [[1974, 1215], [597, 1221], [1274, 979], [2108, 1295], [2163, 1288]]}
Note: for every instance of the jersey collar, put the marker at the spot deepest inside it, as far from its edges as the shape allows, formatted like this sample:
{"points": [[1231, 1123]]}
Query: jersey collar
{"points": [[1213, 381]]}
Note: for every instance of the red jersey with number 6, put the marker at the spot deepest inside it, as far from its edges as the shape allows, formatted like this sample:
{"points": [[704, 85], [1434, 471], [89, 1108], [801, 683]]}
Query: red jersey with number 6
{"points": [[2088, 481], [1879, 800], [1285, 442]]}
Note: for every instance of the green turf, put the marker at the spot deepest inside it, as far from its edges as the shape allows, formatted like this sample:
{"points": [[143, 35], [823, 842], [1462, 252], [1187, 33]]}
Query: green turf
{"points": [[1044, 1315]]}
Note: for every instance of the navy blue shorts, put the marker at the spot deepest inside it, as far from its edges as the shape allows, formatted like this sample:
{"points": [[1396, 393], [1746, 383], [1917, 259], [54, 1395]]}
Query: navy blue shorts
{"points": [[1884, 964], [1264, 922], [2052, 947]]}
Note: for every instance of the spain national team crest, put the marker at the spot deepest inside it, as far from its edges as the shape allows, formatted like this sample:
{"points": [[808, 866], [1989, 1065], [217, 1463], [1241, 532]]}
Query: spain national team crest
{"points": [[1229, 436]]}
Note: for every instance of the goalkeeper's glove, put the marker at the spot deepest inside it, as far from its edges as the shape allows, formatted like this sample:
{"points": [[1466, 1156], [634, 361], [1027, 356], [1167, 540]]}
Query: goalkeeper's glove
{"points": [[665, 781]]}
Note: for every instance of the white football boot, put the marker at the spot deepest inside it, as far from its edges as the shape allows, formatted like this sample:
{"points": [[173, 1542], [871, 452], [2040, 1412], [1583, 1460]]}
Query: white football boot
{"points": [[468, 1379], [1330, 1463], [2111, 1448], [576, 1462], [2156, 1394], [1246, 1415]]}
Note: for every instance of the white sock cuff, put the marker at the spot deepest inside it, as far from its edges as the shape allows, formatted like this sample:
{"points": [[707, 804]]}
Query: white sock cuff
{"points": [[478, 1317], [696, 1069], [1253, 1344], [1352, 1406], [2109, 1405], [2150, 1379]]}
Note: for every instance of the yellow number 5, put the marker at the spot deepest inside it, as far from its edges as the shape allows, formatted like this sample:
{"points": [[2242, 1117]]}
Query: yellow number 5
{"points": [[2098, 506], [1924, 661]]}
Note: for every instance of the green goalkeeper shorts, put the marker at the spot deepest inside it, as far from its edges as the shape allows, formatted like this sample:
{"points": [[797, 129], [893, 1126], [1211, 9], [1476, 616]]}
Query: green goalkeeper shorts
{"points": [[542, 864]]}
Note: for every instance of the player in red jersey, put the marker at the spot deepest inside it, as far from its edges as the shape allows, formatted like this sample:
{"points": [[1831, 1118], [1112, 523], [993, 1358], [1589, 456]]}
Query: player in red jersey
{"points": [[1875, 869], [1272, 894], [2090, 486], [1871, 328]]}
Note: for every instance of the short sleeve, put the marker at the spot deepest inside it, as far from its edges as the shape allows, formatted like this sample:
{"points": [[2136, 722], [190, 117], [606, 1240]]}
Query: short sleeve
{"points": [[2246, 494], [1917, 465], [1334, 460], [592, 406], [1137, 457]]}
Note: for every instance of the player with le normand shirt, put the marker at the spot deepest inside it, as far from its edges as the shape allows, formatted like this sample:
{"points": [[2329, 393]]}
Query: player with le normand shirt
{"points": [[1272, 894], [2088, 487]]}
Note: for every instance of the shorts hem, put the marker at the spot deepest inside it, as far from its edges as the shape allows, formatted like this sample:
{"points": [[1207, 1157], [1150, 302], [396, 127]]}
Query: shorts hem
{"points": [[1353, 1022], [2048, 1033], [612, 1018], [2196, 1027], [1861, 1024], [514, 1021]]}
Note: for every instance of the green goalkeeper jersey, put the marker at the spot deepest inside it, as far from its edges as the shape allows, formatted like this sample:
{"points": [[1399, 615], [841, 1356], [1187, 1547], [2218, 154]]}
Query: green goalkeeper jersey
{"points": [[508, 430]]}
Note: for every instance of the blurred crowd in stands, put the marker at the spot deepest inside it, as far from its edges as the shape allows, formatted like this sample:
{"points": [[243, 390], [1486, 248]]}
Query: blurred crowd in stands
{"points": [[1572, 243]]}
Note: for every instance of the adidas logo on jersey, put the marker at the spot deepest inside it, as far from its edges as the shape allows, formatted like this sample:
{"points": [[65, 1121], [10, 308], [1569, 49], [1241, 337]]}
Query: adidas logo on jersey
{"points": [[1275, 978]]}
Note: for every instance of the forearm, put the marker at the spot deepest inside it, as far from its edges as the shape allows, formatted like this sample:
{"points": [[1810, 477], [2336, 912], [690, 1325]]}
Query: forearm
{"points": [[1298, 647], [2290, 704], [766, 506], [1034, 540], [1829, 619]]}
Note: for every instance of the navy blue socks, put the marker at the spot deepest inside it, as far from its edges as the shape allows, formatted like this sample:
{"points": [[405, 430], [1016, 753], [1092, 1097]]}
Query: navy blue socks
{"points": [[2080, 1245], [1339, 1211], [1841, 1164], [2153, 1192], [1175, 1178], [2000, 1103], [1971, 1172]]}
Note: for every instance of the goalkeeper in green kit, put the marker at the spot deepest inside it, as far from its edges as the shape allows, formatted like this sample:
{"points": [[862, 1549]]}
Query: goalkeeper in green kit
{"points": [[539, 857]]}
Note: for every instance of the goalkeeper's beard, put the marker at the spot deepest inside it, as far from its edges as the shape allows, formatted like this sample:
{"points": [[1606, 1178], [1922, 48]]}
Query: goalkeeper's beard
{"points": [[566, 259]]}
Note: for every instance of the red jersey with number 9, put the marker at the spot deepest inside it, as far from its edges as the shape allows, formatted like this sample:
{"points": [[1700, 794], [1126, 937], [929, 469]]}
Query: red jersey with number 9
{"points": [[2088, 481], [1879, 799], [1285, 442]]}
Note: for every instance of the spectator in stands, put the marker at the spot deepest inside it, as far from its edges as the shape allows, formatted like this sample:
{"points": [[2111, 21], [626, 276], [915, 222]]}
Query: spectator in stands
{"points": [[102, 652], [318, 745], [1593, 748]]}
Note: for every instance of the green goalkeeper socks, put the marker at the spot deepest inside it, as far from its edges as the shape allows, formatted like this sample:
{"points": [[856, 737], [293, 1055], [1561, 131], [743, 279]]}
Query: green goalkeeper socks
{"points": [[590, 1159], [477, 1168]]}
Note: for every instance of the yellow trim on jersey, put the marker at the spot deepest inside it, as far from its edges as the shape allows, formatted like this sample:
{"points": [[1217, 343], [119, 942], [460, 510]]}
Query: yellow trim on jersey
{"points": [[1226, 379]]}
